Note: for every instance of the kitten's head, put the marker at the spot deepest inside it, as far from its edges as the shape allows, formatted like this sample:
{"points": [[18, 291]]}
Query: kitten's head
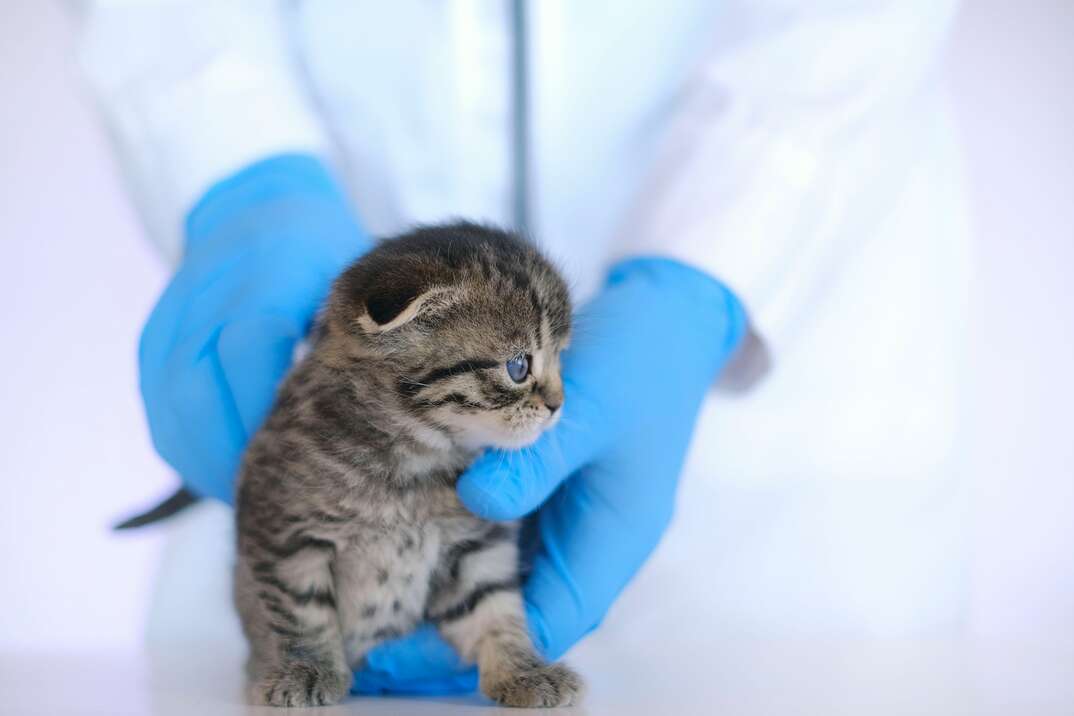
{"points": [[470, 321]]}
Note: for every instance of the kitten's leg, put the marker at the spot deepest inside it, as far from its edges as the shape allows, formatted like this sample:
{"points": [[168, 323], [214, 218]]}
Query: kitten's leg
{"points": [[480, 612], [288, 612]]}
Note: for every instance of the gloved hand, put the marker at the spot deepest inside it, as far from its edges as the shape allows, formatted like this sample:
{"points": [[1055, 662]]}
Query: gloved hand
{"points": [[262, 249], [644, 353]]}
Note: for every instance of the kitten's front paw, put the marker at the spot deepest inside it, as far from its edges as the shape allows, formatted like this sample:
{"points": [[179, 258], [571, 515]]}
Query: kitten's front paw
{"points": [[302, 684], [534, 686]]}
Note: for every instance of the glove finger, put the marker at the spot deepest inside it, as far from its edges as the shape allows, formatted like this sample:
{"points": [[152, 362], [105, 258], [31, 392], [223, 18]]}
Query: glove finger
{"points": [[205, 433], [160, 328], [507, 484], [422, 660], [154, 345], [255, 353], [593, 540]]}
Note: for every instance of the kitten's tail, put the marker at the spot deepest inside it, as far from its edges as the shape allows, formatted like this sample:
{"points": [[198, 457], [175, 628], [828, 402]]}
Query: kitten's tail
{"points": [[179, 501]]}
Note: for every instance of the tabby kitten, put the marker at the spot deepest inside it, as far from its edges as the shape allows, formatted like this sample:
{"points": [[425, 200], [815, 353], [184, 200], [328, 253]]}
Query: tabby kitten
{"points": [[432, 346]]}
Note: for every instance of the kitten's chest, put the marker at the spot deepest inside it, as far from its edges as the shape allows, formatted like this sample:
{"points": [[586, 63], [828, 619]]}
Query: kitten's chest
{"points": [[405, 553], [384, 577]]}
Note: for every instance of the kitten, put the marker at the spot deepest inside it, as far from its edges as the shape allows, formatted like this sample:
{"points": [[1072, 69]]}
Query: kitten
{"points": [[432, 346]]}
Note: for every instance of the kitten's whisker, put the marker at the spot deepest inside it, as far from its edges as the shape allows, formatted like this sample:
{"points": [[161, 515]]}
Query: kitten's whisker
{"points": [[571, 423], [554, 443]]}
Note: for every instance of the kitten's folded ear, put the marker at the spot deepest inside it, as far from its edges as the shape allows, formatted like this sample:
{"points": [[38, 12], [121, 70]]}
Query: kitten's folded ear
{"points": [[396, 306], [388, 288], [382, 298]]}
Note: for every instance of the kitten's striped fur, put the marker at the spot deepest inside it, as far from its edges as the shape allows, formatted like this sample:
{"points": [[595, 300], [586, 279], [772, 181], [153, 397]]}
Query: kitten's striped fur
{"points": [[349, 529]]}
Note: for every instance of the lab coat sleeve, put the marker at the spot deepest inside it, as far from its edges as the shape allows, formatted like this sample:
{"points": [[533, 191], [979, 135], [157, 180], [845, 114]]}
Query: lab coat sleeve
{"points": [[192, 91], [788, 146]]}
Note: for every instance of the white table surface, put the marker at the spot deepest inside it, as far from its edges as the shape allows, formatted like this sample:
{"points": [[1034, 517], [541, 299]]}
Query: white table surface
{"points": [[744, 676]]}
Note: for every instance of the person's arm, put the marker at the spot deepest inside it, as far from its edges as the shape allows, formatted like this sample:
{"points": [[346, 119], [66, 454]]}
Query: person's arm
{"points": [[192, 93], [792, 141]]}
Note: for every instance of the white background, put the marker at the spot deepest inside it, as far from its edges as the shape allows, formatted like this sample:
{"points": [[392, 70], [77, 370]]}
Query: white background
{"points": [[77, 280]]}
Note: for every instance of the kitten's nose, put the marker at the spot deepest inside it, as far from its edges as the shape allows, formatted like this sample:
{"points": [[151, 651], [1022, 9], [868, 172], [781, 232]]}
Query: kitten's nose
{"points": [[552, 397]]}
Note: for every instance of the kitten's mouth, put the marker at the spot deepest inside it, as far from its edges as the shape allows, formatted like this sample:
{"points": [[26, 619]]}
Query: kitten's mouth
{"points": [[499, 435], [525, 438]]}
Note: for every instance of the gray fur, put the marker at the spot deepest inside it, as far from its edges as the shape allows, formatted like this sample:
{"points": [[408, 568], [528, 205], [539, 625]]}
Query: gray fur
{"points": [[349, 529]]}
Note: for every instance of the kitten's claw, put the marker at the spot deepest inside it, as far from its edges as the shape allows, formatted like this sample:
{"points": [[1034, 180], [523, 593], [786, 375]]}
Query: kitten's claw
{"points": [[537, 686], [302, 684]]}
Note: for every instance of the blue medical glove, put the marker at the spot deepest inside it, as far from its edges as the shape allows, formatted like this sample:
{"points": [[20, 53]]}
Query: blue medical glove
{"points": [[644, 353], [262, 249]]}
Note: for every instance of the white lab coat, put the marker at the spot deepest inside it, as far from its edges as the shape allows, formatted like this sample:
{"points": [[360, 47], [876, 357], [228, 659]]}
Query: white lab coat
{"points": [[801, 152]]}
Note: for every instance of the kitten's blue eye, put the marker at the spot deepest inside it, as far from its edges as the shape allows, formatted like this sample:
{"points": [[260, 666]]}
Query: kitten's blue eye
{"points": [[518, 368]]}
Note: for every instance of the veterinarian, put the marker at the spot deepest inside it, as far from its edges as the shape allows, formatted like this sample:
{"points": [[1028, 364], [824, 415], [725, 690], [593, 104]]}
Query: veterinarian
{"points": [[792, 158]]}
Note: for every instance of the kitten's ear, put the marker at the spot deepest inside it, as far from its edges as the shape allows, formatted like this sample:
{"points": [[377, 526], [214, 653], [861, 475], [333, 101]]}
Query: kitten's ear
{"points": [[397, 300]]}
